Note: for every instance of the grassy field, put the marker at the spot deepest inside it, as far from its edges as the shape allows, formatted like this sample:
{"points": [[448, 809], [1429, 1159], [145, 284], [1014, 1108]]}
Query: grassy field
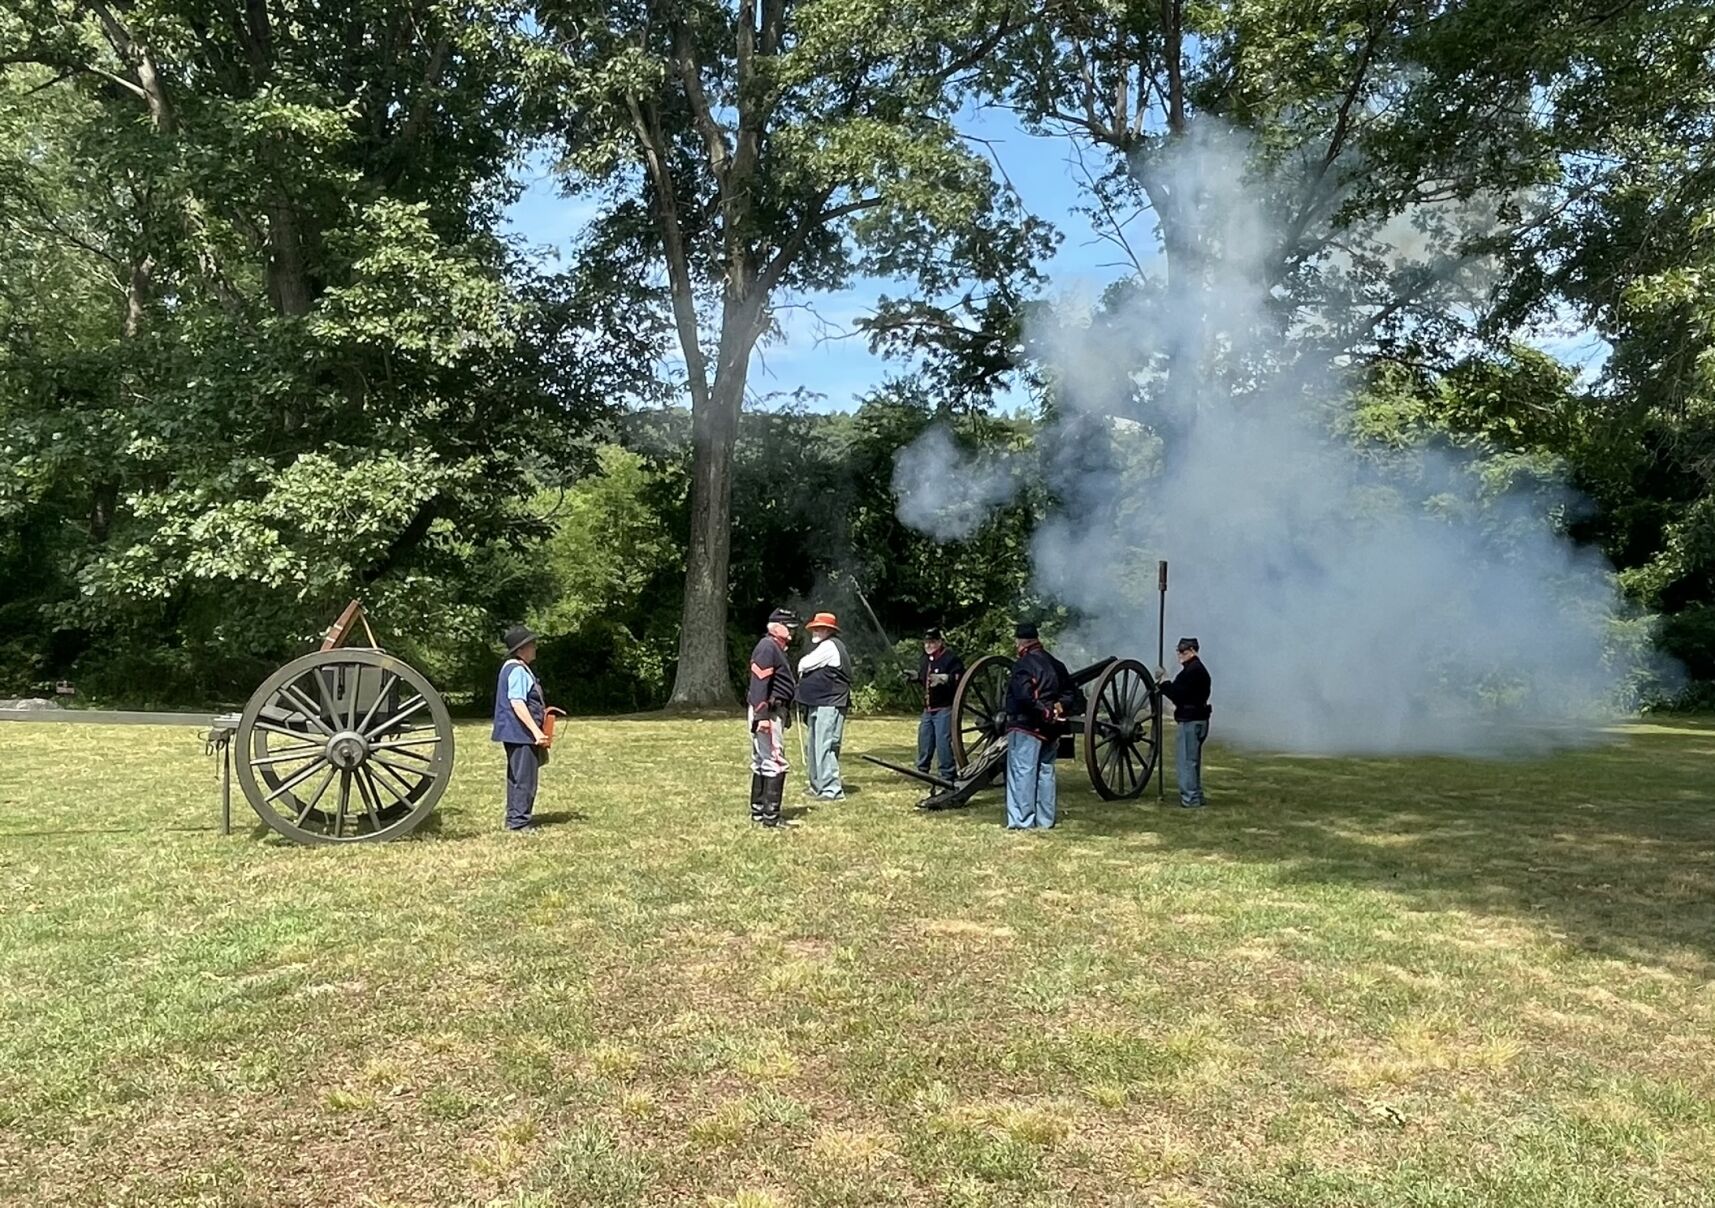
{"points": [[1351, 982]]}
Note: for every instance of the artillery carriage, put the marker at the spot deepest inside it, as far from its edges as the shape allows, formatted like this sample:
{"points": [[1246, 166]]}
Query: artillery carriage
{"points": [[347, 744], [1120, 729]]}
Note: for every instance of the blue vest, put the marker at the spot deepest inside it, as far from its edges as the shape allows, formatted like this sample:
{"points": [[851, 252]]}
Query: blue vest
{"points": [[507, 727]]}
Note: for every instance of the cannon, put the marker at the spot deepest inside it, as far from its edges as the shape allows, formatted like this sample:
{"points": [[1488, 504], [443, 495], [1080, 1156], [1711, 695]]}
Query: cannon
{"points": [[347, 744], [1120, 728]]}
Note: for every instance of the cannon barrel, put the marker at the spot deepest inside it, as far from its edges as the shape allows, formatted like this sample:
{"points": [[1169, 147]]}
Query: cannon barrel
{"points": [[1085, 676]]}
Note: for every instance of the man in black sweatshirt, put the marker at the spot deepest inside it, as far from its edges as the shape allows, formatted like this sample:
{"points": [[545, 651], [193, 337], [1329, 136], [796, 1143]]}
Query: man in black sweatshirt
{"points": [[1189, 692], [768, 698], [939, 673], [1040, 696]]}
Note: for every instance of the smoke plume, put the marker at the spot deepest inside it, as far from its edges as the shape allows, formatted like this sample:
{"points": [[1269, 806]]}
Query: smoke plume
{"points": [[950, 507], [1348, 598]]}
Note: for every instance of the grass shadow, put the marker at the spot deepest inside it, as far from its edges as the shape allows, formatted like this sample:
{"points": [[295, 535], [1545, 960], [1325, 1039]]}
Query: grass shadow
{"points": [[212, 827], [559, 817], [1613, 847]]}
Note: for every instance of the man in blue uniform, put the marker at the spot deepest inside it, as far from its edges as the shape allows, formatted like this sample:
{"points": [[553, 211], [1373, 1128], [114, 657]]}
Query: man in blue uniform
{"points": [[1039, 696], [939, 673], [768, 700], [825, 696], [519, 715], [1189, 692]]}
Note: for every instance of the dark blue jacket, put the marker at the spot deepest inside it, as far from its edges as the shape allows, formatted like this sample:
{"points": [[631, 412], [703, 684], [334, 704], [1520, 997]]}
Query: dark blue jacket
{"points": [[946, 663], [1189, 692], [507, 727], [1039, 681], [772, 685]]}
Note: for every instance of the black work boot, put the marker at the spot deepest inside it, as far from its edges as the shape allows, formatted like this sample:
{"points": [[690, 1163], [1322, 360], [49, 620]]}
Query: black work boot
{"points": [[758, 798], [774, 790]]}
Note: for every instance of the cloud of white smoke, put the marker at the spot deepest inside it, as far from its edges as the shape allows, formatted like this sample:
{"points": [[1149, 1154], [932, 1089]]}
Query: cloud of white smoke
{"points": [[950, 507], [1346, 601]]}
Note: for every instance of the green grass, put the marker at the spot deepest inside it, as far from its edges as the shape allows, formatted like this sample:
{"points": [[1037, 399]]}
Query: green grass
{"points": [[1351, 982]]}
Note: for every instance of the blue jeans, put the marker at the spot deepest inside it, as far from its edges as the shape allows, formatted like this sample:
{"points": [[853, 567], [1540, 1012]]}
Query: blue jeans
{"points": [[1030, 799], [935, 737], [1188, 761], [523, 764]]}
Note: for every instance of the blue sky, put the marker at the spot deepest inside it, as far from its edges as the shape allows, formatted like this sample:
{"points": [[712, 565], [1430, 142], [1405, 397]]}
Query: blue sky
{"points": [[820, 355], [817, 354]]}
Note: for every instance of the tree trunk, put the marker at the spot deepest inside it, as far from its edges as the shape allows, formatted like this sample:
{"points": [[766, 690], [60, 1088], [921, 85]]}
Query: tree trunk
{"points": [[104, 490], [288, 277], [704, 679]]}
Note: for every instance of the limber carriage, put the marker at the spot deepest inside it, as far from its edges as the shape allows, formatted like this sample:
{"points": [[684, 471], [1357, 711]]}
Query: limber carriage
{"points": [[347, 744], [1120, 730]]}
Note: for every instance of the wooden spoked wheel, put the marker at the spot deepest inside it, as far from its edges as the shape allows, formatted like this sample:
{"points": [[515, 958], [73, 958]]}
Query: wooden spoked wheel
{"points": [[344, 746], [1122, 730], [979, 710]]}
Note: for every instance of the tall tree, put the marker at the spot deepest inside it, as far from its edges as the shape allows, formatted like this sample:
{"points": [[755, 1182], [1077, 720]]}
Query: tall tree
{"points": [[1627, 250], [748, 151], [322, 371], [1376, 184]]}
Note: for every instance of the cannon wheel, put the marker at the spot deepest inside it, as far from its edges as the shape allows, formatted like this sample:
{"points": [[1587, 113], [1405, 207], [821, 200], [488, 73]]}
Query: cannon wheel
{"points": [[1122, 730], [344, 746], [979, 709]]}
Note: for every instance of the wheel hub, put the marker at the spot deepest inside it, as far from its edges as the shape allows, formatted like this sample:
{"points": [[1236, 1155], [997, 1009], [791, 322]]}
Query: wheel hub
{"points": [[347, 750]]}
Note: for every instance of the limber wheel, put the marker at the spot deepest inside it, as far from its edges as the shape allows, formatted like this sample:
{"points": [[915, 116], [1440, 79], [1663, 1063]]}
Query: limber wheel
{"points": [[1121, 730], [979, 710], [344, 746]]}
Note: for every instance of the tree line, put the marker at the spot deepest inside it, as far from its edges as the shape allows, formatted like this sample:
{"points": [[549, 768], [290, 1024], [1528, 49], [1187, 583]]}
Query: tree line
{"points": [[264, 342]]}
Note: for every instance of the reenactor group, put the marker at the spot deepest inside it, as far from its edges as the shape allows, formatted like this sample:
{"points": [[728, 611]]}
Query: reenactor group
{"points": [[817, 691], [1040, 698]]}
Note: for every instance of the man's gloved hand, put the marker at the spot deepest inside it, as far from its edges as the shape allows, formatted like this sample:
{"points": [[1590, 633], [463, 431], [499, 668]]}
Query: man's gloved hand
{"points": [[937, 679], [1160, 674], [911, 677]]}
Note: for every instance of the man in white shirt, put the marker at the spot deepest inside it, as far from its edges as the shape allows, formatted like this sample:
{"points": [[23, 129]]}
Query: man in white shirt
{"points": [[825, 695]]}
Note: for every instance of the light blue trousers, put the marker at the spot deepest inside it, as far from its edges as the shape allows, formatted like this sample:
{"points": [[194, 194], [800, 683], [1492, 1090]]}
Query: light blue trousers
{"points": [[823, 734], [1030, 797], [1188, 761]]}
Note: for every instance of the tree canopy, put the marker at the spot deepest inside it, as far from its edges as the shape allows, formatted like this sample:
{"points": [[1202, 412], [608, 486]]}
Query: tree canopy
{"points": [[267, 343]]}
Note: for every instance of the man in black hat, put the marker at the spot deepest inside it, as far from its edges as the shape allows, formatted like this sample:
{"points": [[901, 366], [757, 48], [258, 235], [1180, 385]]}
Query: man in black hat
{"points": [[519, 715], [939, 673], [769, 699], [1189, 692], [1040, 695]]}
